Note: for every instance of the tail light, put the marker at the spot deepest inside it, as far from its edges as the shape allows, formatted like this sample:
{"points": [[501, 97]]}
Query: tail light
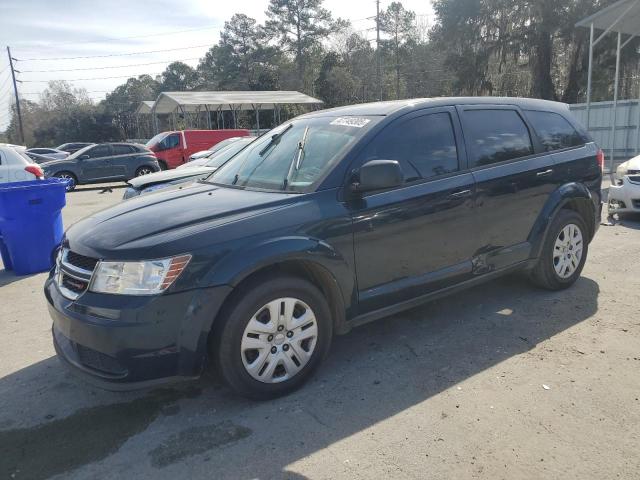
{"points": [[34, 170], [600, 159]]}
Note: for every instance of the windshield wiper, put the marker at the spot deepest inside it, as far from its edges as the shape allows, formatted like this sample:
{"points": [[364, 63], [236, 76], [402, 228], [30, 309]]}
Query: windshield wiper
{"points": [[296, 161], [275, 139]]}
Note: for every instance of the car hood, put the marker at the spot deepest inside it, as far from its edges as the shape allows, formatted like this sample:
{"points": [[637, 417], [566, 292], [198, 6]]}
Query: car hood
{"points": [[166, 176], [632, 164], [154, 226], [200, 154]]}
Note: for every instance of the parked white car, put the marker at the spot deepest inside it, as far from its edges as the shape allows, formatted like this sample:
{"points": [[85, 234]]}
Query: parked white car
{"points": [[16, 166], [216, 148], [624, 194]]}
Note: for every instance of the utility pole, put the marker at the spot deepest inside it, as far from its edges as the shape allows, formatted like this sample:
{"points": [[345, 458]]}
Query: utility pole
{"points": [[378, 73], [15, 90]]}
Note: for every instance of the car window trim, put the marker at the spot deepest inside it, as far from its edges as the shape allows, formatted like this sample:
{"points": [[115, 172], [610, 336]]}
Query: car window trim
{"points": [[458, 135]]}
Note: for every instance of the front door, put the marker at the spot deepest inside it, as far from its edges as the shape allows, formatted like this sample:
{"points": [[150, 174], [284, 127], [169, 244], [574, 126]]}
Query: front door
{"points": [[96, 163], [416, 238]]}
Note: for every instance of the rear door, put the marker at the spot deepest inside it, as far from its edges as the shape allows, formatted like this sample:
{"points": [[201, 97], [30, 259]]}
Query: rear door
{"points": [[416, 238], [98, 165], [122, 161], [514, 178]]}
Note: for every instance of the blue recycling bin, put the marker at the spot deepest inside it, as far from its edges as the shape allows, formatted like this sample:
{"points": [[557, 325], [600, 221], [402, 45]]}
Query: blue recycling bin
{"points": [[31, 223]]}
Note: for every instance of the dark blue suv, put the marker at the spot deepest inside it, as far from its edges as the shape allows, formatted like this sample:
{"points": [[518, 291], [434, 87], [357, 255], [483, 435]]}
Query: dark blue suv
{"points": [[331, 220]]}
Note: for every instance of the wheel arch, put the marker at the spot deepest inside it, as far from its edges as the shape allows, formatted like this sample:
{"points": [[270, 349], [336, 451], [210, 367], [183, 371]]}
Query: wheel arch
{"points": [[571, 196], [306, 258]]}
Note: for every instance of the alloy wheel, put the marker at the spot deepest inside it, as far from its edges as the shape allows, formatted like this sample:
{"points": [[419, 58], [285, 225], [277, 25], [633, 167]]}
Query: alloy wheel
{"points": [[279, 340], [71, 181], [144, 171], [567, 250]]}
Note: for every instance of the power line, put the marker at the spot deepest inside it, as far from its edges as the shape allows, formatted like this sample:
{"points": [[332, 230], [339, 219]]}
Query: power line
{"points": [[86, 79], [112, 54], [114, 66]]}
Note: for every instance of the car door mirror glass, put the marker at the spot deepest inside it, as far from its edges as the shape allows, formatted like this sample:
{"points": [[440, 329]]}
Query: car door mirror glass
{"points": [[379, 175]]}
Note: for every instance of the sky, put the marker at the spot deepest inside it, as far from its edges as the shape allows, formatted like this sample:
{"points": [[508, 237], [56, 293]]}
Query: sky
{"points": [[41, 33]]}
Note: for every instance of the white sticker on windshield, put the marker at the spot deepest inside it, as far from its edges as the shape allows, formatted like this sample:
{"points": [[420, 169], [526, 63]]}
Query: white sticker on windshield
{"points": [[357, 122]]}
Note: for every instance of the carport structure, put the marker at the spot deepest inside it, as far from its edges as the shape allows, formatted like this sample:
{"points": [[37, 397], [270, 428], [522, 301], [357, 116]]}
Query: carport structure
{"points": [[220, 101], [144, 108], [622, 18]]}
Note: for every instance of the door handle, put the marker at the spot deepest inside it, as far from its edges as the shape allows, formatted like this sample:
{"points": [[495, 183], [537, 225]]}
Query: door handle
{"points": [[546, 172], [461, 194]]}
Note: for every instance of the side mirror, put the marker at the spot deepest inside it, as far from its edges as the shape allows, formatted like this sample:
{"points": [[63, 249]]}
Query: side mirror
{"points": [[378, 175], [83, 157]]}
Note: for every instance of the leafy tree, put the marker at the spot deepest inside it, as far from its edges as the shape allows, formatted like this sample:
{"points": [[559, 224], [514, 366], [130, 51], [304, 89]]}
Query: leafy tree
{"points": [[178, 77], [299, 26], [398, 23]]}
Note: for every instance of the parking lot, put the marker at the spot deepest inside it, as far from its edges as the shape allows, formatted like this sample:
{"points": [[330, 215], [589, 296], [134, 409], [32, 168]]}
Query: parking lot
{"points": [[501, 381]]}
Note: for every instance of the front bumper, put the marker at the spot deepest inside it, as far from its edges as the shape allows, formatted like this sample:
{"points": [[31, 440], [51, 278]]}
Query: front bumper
{"points": [[624, 198], [123, 342]]}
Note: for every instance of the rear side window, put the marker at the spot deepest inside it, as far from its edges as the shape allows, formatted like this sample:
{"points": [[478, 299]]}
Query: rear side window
{"points": [[123, 149], [496, 136], [554, 131], [99, 151], [424, 146]]}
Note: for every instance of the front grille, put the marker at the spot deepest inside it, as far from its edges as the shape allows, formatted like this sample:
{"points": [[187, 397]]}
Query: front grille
{"points": [[99, 361], [80, 261], [73, 284]]}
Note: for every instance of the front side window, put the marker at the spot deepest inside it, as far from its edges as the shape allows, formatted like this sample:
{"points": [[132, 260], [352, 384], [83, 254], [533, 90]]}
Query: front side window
{"points": [[554, 131], [424, 146], [496, 136], [170, 141], [293, 157]]}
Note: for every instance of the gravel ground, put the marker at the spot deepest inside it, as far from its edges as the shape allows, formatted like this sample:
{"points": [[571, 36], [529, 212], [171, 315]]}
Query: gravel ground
{"points": [[501, 381]]}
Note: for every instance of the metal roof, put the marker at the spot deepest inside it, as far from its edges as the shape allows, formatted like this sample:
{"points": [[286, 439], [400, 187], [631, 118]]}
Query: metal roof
{"points": [[168, 102], [144, 107], [622, 16]]}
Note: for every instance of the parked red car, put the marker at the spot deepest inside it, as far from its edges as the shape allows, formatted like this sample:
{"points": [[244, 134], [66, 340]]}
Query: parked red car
{"points": [[174, 148]]}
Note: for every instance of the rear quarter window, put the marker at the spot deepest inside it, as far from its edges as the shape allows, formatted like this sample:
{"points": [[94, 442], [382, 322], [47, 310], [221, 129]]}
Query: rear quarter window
{"points": [[554, 131]]}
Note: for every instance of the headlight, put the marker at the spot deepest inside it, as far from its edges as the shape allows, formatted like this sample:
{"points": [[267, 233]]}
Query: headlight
{"points": [[137, 278], [621, 171], [130, 192]]}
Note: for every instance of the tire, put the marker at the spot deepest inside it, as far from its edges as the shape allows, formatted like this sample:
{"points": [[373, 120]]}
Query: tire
{"points": [[559, 266], [144, 170], [163, 165], [264, 373], [73, 180]]}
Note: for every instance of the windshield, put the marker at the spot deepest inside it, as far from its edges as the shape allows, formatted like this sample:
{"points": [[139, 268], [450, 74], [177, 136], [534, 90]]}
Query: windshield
{"points": [[156, 139], [221, 157], [295, 156]]}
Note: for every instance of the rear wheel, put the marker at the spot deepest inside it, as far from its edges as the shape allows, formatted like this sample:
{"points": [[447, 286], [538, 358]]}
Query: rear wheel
{"points": [[71, 179], [144, 171], [276, 333], [564, 252]]}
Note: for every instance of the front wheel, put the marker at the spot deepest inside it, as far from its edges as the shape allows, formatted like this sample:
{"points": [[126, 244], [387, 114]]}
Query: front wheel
{"points": [[564, 252], [71, 179], [276, 333]]}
